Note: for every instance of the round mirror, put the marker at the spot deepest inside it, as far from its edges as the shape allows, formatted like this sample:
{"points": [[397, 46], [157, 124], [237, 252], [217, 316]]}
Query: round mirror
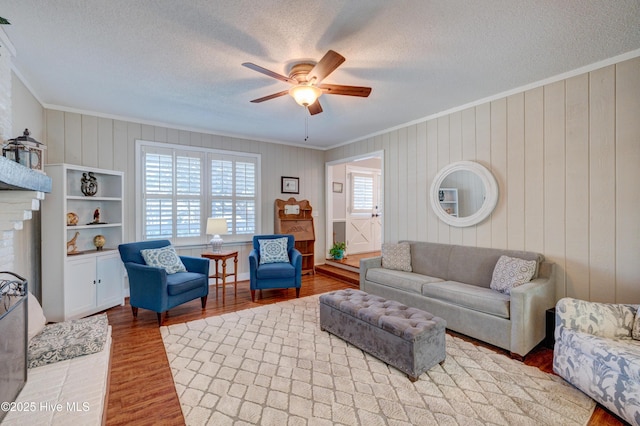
{"points": [[464, 193]]}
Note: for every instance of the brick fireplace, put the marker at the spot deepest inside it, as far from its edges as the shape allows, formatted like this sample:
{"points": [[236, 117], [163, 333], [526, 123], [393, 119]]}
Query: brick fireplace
{"points": [[16, 206], [21, 191]]}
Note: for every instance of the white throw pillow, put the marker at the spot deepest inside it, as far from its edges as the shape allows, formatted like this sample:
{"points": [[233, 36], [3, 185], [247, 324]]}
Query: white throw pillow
{"points": [[511, 272], [164, 257], [396, 256], [635, 332], [273, 250], [35, 316]]}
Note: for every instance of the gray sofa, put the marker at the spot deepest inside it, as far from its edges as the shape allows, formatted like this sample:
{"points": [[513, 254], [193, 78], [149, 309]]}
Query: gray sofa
{"points": [[452, 282]]}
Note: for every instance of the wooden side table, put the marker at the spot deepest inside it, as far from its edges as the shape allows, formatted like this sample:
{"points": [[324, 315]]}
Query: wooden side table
{"points": [[224, 256]]}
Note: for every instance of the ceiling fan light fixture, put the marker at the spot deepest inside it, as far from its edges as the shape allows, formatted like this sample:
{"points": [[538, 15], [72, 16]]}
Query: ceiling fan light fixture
{"points": [[304, 94]]}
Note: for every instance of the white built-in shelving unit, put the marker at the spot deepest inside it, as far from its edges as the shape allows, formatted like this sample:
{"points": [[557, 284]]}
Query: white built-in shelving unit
{"points": [[81, 282]]}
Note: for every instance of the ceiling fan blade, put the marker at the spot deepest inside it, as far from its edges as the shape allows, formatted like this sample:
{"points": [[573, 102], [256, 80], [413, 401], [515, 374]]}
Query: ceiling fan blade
{"points": [[328, 64], [268, 97], [315, 108], [337, 89], [269, 73]]}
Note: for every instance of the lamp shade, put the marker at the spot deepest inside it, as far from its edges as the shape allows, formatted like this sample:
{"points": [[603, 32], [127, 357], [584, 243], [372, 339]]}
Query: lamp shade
{"points": [[305, 95], [216, 226]]}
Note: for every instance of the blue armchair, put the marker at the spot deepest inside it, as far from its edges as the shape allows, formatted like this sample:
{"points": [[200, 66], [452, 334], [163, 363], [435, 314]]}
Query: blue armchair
{"points": [[275, 275], [152, 288]]}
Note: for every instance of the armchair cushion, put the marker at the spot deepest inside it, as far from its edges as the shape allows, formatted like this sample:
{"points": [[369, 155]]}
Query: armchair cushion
{"points": [[619, 355], [181, 282], [273, 250], [276, 270], [164, 257]]}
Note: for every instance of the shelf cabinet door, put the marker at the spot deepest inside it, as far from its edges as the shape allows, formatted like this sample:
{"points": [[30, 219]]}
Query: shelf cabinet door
{"points": [[80, 287], [109, 280]]}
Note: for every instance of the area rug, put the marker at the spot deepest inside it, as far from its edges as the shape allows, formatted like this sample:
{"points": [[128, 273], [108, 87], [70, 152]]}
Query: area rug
{"points": [[272, 365]]}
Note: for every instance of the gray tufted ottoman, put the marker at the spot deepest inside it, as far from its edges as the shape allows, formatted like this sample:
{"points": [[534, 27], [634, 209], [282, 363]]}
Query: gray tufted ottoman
{"points": [[407, 338]]}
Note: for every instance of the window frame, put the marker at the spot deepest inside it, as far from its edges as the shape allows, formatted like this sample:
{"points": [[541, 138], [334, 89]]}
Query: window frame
{"points": [[206, 195]]}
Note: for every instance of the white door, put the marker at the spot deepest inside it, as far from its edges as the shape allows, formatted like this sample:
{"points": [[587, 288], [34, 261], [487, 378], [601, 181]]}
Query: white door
{"points": [[364, 224]]}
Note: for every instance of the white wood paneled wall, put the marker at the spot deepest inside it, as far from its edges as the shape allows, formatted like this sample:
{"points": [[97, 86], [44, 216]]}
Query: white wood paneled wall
{"points": [[567, 160], [109, 144]]}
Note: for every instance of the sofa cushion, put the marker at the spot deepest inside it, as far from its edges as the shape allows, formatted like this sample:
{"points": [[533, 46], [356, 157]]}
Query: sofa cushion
{"points": [[511, 272], [396, 256], [475, 265], [407, 281], [430, 259], [469, 296], [635, 333], [164, 257]]}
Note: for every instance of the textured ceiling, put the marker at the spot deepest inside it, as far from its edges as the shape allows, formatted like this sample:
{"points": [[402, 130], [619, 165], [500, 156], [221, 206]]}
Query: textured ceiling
{"points": [[178, 63]]}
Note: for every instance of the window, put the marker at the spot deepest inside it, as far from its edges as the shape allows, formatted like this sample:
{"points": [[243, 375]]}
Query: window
{"points": [[180, 187]]}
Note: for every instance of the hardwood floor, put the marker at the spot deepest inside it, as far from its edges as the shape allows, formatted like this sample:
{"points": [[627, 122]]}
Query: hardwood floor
{"points": [[141, 390]]}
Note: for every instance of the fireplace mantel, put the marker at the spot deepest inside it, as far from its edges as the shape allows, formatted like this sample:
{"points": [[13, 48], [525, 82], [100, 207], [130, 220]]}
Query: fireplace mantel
{"points": [[15, 176]]}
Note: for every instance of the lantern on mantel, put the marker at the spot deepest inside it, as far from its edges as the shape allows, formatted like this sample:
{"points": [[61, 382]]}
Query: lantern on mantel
{"points": [[25, 150]]}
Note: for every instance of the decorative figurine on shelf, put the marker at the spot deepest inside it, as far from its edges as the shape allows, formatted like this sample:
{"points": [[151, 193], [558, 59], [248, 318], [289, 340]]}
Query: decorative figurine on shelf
{"points": [[89, 184], [99, 241], [71, 245], [441, 195], [72, 219], [96, 218]]}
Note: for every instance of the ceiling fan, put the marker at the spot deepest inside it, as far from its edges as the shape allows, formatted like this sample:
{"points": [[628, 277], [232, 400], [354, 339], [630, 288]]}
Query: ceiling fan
{"points": [[306, 79]]}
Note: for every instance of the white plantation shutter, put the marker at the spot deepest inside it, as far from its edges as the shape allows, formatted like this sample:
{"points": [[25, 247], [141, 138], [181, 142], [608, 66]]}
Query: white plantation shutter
{"points": [[188, 195], [158, 190], [362, 193], [183, 187], [233, 192], [245, 194]]}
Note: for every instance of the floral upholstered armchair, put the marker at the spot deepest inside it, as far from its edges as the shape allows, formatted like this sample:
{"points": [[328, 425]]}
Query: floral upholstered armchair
{"points": [[597, 350]]}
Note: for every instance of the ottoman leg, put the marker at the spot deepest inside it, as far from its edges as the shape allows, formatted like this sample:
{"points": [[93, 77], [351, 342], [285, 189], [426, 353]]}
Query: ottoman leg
{"points": [[412, 378]]}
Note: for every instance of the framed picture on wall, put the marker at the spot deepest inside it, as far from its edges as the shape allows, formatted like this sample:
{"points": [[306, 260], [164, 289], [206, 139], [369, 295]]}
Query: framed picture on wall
{"points": [[337, 187], [290, 185]]}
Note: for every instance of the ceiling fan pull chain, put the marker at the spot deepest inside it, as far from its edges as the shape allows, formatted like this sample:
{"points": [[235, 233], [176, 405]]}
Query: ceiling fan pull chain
{"points": [[306, 126]]}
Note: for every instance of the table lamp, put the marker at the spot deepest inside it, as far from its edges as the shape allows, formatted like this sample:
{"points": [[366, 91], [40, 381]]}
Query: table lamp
{"points": [[215, 227]]}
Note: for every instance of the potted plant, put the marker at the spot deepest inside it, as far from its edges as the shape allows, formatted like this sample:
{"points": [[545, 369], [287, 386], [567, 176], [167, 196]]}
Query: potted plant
{"points": [[337, 250]]}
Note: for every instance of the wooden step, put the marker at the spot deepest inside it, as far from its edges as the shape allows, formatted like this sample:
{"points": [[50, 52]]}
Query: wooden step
{"points": [[342, 264], [341, 274]]}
